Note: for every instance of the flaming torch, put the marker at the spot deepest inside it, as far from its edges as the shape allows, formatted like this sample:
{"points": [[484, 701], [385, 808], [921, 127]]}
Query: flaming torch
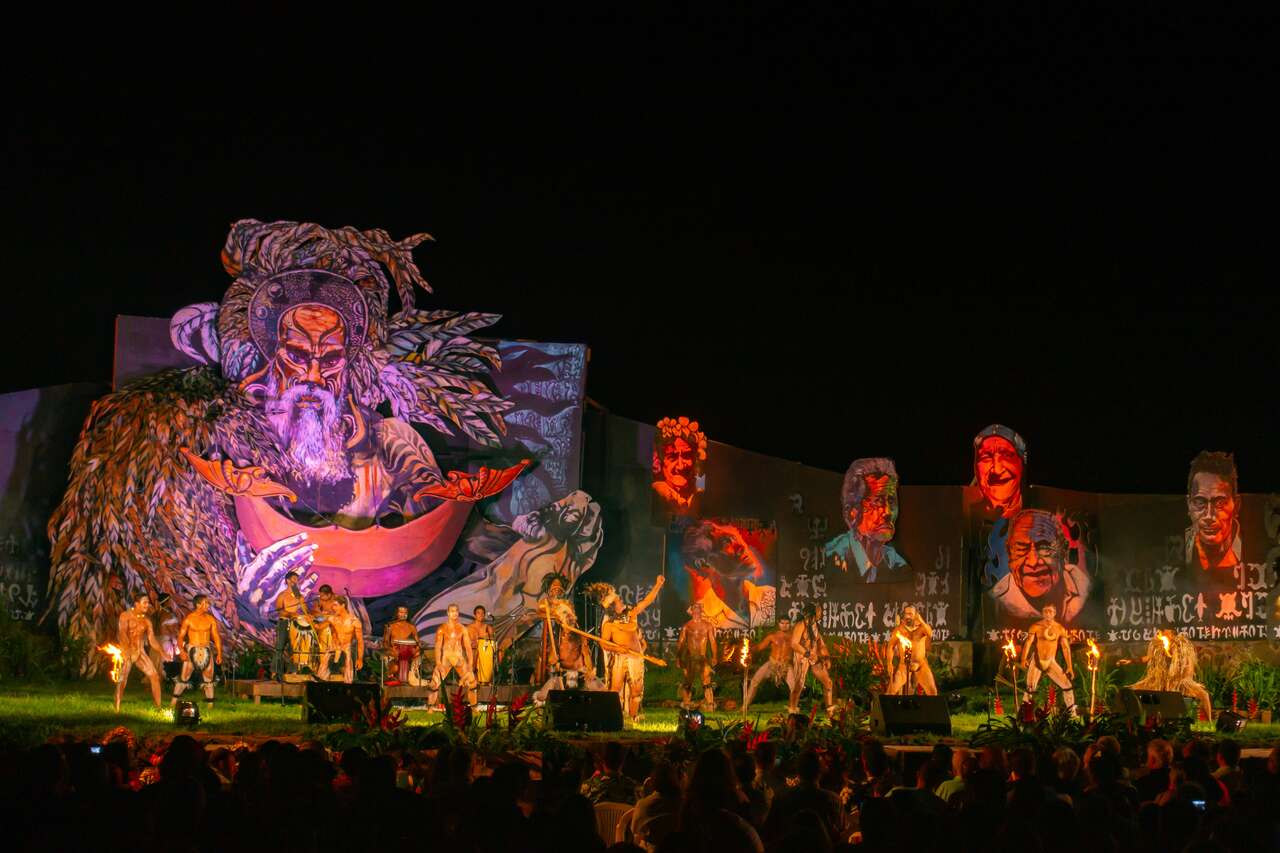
{"points": [[908, 687], [744, 658], [1011, 656], [1164, 641], [1091, 660], [117, 660]]}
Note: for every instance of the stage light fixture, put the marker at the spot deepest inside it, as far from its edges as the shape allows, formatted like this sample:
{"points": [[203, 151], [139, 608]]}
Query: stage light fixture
{"points": [[1230, 722], [186, 714]]}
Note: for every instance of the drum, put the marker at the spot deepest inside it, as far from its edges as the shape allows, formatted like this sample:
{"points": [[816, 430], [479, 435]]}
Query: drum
{"points": [[484, 661]]}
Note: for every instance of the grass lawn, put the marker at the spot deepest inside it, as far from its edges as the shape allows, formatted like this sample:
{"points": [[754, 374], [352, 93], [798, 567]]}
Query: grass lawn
{"points": [[34, 712]]}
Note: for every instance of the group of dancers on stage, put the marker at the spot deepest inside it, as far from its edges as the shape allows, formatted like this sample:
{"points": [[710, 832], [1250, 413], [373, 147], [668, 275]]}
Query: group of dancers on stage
{"points": [[325, 640], [796, 651]]}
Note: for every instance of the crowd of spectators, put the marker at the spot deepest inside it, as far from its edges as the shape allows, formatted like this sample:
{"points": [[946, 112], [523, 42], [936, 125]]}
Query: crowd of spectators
{"points": [[1194, 796]]}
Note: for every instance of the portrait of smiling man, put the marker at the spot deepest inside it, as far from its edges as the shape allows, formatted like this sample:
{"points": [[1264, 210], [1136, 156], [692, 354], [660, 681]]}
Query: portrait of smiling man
{"points": [[1039, 573]]}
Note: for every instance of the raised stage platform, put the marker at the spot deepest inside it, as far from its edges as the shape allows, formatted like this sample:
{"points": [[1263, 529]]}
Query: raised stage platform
{"points": [[257, 689]]}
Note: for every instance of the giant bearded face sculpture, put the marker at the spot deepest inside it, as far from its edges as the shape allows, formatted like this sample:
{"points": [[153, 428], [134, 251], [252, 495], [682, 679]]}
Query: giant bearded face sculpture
{"points": [[1037, 552], [999, 457], [306, 390], [306, 323]]}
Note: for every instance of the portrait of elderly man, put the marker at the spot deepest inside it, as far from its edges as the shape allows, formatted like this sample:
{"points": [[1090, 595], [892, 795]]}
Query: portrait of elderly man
{"points": [[1039, 574], [1213, 504], [870, 503], [999, 460], [999, 469]]}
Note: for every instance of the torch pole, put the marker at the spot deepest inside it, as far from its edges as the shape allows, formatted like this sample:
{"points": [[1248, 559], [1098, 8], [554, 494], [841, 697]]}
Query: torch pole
{"points": [[1093, 690]]}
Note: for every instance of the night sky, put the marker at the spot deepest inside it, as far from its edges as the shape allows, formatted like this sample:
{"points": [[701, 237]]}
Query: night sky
{"points": [[822, 237]]}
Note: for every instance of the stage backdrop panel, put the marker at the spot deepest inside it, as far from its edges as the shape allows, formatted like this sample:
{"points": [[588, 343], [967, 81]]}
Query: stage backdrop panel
{"points": [[38, 430], [798, 507], [1017, 581], [929, 539], [1152, 582]]}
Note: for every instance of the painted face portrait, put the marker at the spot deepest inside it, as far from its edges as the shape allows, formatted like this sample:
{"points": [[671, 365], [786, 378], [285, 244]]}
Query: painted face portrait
{"points": [[680, 448], [877, 515], [997, 468], [677, 464], [1213, 506], [1037, 553]]}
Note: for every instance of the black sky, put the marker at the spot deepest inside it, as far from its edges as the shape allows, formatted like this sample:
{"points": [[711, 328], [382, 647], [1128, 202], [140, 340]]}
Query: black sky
{"points": [[822, 236]]}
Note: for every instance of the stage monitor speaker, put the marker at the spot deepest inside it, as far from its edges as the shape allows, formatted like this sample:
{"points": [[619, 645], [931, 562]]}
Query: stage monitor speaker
{"points": [[1142, 704], [336, 702], [585, 710], [1230, 722], [894, 715]]}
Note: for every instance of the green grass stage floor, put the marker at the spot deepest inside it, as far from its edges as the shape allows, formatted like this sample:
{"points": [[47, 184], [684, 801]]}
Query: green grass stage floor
{"points": [[32, 713]]}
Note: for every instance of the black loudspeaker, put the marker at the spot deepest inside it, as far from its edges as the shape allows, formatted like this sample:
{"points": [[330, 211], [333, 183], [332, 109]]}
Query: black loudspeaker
{"points": [[336, 702], [1140, 705], [895, 715], [585, 710], [1230, 722]]}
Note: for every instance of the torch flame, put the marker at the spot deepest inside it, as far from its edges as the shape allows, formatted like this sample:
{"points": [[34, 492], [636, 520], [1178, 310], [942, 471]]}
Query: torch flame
{"points": [[1164, 640], [746, 651], [906, 643], [117, 659], [1094, 655], [1010, 650]]}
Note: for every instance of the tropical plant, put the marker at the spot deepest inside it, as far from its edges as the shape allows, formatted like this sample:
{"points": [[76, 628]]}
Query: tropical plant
{"points": [[1049, 732], [857, 669], [1218, 678], [1259, 681]]}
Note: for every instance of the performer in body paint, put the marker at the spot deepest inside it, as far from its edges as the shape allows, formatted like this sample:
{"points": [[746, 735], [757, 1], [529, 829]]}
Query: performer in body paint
{"points": [[400, 643], [346, 640], [625, 643], [134, 634], [811, 656], [911, 633], [781, 663], [199, 648], [454, 652], [1046, 637], [697, 653]]}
